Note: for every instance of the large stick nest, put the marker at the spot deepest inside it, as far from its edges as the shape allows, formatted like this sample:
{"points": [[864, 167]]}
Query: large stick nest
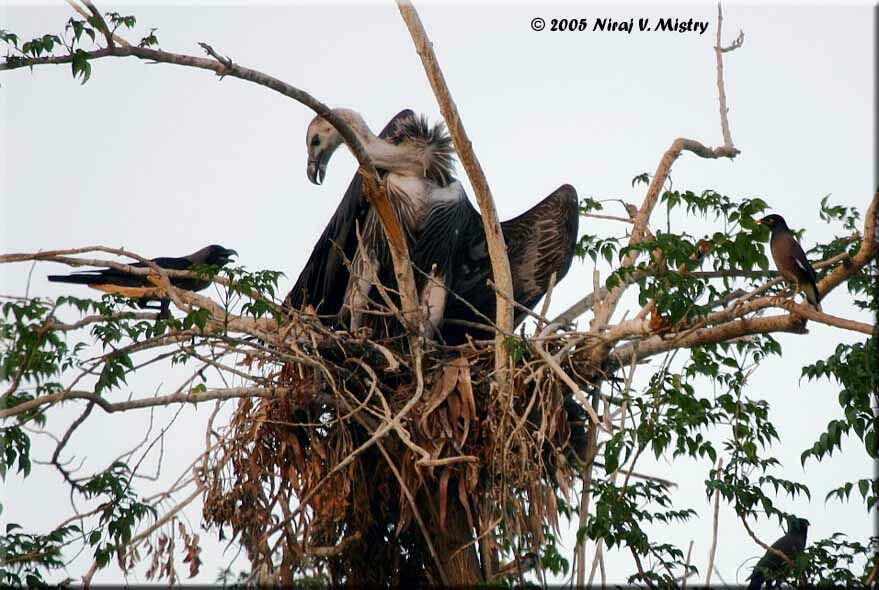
{"points": [[324, 482]]}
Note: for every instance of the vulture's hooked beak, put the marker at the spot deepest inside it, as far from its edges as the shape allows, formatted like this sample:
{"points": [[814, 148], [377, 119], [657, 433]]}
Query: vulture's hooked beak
{"points": [[317, 167]]}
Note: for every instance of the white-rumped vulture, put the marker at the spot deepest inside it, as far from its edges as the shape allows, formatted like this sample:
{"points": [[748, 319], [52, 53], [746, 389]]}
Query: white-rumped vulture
{"points": [[445, 234]]}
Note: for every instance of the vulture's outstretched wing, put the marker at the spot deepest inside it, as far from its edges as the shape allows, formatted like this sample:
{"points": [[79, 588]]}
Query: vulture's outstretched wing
{"points": [[324, 278], [539, 242]]}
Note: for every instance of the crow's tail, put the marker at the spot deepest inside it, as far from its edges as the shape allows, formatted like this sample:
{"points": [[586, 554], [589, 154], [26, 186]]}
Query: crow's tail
{"points": [[77, 279]]}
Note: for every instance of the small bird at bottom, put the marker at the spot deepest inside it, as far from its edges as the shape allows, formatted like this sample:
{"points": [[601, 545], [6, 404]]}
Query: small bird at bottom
{"points": [[771, 568], [519, 566], [140, 288], [790, 259]]}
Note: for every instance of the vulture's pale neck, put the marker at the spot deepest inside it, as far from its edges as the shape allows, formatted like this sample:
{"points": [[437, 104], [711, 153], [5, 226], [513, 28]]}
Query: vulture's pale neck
{"points": [[407, 159]]}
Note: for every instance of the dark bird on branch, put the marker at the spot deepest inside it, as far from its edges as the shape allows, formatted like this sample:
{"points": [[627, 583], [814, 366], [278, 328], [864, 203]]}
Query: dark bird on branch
{"points": [[140, 288], [444, 231], [790, 259], [772, 568]]}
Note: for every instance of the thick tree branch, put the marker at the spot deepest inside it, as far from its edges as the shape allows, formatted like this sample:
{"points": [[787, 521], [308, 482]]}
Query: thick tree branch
{"points": [[497, 249], [809, 312], [137, 404], [225, 67], [98, 18]]}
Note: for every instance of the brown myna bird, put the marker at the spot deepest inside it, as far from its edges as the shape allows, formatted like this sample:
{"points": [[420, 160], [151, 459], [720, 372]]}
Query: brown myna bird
{"points": [[140, 288], [771, 567], [790, 259]]}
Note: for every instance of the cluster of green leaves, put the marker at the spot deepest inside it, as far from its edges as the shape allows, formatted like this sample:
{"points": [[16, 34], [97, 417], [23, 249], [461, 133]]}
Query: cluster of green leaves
{"points": [[32, 356], [257, 290], [25, 557], [551, 559], [665, 273], [16, 450], [595, 246], [832, 563], [748, 470], [116, 20], [864, 284], [620, 515], [849, 216], [72, 42], [855, 367], [120, 514]]}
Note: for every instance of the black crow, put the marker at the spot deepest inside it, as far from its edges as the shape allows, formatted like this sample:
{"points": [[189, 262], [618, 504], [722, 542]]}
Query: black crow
{"points": [[771, 567], [140, 288]]}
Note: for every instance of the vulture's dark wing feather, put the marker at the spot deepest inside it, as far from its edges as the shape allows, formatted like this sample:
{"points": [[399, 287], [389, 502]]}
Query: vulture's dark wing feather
{"points": [[324, 278], [539, 242]]}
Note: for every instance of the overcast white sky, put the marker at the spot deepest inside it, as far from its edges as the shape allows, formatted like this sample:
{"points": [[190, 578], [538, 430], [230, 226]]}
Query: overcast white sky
{"points": [[163, 160]]}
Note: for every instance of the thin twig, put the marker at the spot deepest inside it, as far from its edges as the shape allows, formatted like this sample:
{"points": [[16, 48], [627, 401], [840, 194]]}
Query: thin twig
{"points": [[713, 551]]}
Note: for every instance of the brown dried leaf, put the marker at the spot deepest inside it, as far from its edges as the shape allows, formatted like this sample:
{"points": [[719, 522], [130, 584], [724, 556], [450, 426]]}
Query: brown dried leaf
{"points": [[552, 510], [472, 476], [442, 387], [444, 421], [443, 497], [318, 448], [465, 387], [455, 407], [462, 497]]}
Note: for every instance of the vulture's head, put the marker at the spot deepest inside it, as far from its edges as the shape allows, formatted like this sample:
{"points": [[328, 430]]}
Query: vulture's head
{"points": [[322, 139]]}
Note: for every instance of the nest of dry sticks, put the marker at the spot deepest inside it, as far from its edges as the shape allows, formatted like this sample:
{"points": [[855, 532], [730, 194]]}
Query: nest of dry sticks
{"points": [[369, 470]]}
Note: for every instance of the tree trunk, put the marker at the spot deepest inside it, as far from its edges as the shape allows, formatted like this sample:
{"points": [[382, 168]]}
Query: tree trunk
{"points": [[461, 566]]}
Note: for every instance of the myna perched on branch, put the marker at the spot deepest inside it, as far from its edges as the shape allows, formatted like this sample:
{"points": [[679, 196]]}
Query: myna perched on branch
{"points": [[790, 259], [139, 287], [771, 567]]}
